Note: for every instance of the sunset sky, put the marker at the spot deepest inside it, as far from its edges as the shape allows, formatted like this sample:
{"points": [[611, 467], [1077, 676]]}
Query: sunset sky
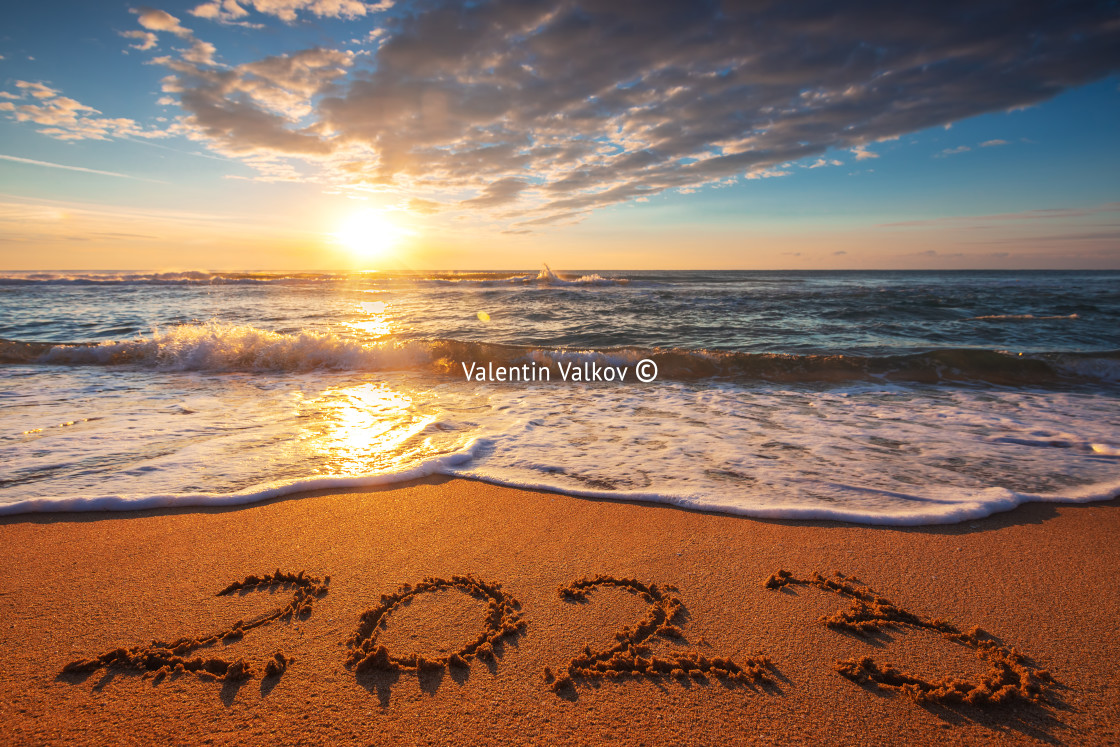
{"points": [[338, 134]]}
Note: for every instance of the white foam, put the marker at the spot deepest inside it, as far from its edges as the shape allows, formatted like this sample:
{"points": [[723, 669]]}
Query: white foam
{"points": [[188, 277], [217, 346], [874, 454], [227, 347], [433, 466], [967, 508], [964, 508], [548, 277], [1020, 317]]}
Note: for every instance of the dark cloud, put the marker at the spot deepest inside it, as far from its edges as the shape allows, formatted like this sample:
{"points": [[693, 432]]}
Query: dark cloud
{"points": [[567, 106]]}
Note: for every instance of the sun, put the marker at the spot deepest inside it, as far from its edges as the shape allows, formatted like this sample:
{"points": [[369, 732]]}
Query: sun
{"points": [[368, 233]]}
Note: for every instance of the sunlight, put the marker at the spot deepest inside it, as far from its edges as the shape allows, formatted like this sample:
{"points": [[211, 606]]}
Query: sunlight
{"points": [[374, 321], [369, 233], [367, 428]]}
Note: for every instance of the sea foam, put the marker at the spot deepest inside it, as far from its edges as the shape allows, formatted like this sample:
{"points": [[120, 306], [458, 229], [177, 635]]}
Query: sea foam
{"points": [[218, 346], [870, 453]]}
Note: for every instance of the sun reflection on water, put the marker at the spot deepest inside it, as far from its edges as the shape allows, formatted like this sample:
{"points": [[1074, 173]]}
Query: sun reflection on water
{"points": [[367, 428], [373, 320]]}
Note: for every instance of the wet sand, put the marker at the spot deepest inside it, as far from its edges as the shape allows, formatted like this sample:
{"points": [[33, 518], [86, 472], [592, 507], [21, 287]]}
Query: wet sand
{"points": [[549, 619]]}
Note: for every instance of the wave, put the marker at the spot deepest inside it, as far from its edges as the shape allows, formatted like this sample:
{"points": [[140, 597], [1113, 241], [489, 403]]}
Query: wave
{"points": [[546, 277], [434, 466], [233, 348], [192, 277], [971, 505], [221, 347], [1020, 317]]}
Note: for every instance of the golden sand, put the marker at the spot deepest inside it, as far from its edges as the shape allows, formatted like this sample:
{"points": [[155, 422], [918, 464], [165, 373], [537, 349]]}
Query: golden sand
{"points": [[451, 611]]}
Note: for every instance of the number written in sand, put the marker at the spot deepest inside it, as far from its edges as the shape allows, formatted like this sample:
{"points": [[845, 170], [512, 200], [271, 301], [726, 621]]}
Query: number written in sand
{"points": [[502, 620], [1010, 675], [162, 659], [633, 655]]}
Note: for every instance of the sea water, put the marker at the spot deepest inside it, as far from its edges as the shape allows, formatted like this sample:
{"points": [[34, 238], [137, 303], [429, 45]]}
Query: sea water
{"points": [[876, 397]]}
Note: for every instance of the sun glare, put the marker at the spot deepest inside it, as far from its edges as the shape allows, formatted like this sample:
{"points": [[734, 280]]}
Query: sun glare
{"points": [[368, 234]]}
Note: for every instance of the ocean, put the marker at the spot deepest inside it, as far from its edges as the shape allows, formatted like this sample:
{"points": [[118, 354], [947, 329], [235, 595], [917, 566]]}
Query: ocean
{"points": [[875, 397]]}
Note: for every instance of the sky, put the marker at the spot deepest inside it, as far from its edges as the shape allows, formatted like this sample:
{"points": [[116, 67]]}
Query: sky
{"points": [[348, 134]]}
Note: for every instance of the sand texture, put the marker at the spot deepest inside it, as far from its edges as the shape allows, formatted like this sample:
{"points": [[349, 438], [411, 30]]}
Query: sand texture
{"points": [[450, 611]]}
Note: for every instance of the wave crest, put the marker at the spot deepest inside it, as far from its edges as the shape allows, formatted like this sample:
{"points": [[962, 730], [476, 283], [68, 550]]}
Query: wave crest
{"points": [[227, 347], [1020, 317], [546, 277], [190, 277], [217, 347]]}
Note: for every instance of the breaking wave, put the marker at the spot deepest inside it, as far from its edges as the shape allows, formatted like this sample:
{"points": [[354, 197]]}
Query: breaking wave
{"points": [[546, 277], [1020, 317], [226, 347], [193, 277]]}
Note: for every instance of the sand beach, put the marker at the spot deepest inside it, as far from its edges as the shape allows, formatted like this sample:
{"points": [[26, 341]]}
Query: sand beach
{"points": [[510, 640]]}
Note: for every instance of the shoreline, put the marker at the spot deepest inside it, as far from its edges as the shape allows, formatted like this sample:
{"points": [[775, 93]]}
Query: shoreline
{"points": [[430, 472], [1038, 578]]}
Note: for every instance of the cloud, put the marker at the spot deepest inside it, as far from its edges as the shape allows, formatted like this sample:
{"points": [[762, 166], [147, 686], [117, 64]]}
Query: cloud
{"points": [[497, 193], [38, 90], [1094, 225], [48, 164], [952, 151], [199, 52], [147, 40], [862, 153], [1041, 214], [64, 118], [604, 102], [766, 173], [256, 108], [288, 82], [220, 10], [933, 253], [1107, 235], [227, 11], [822, 162], [425, 207], [597, 103], [251, 110], [992, 143], [161, 20]]}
